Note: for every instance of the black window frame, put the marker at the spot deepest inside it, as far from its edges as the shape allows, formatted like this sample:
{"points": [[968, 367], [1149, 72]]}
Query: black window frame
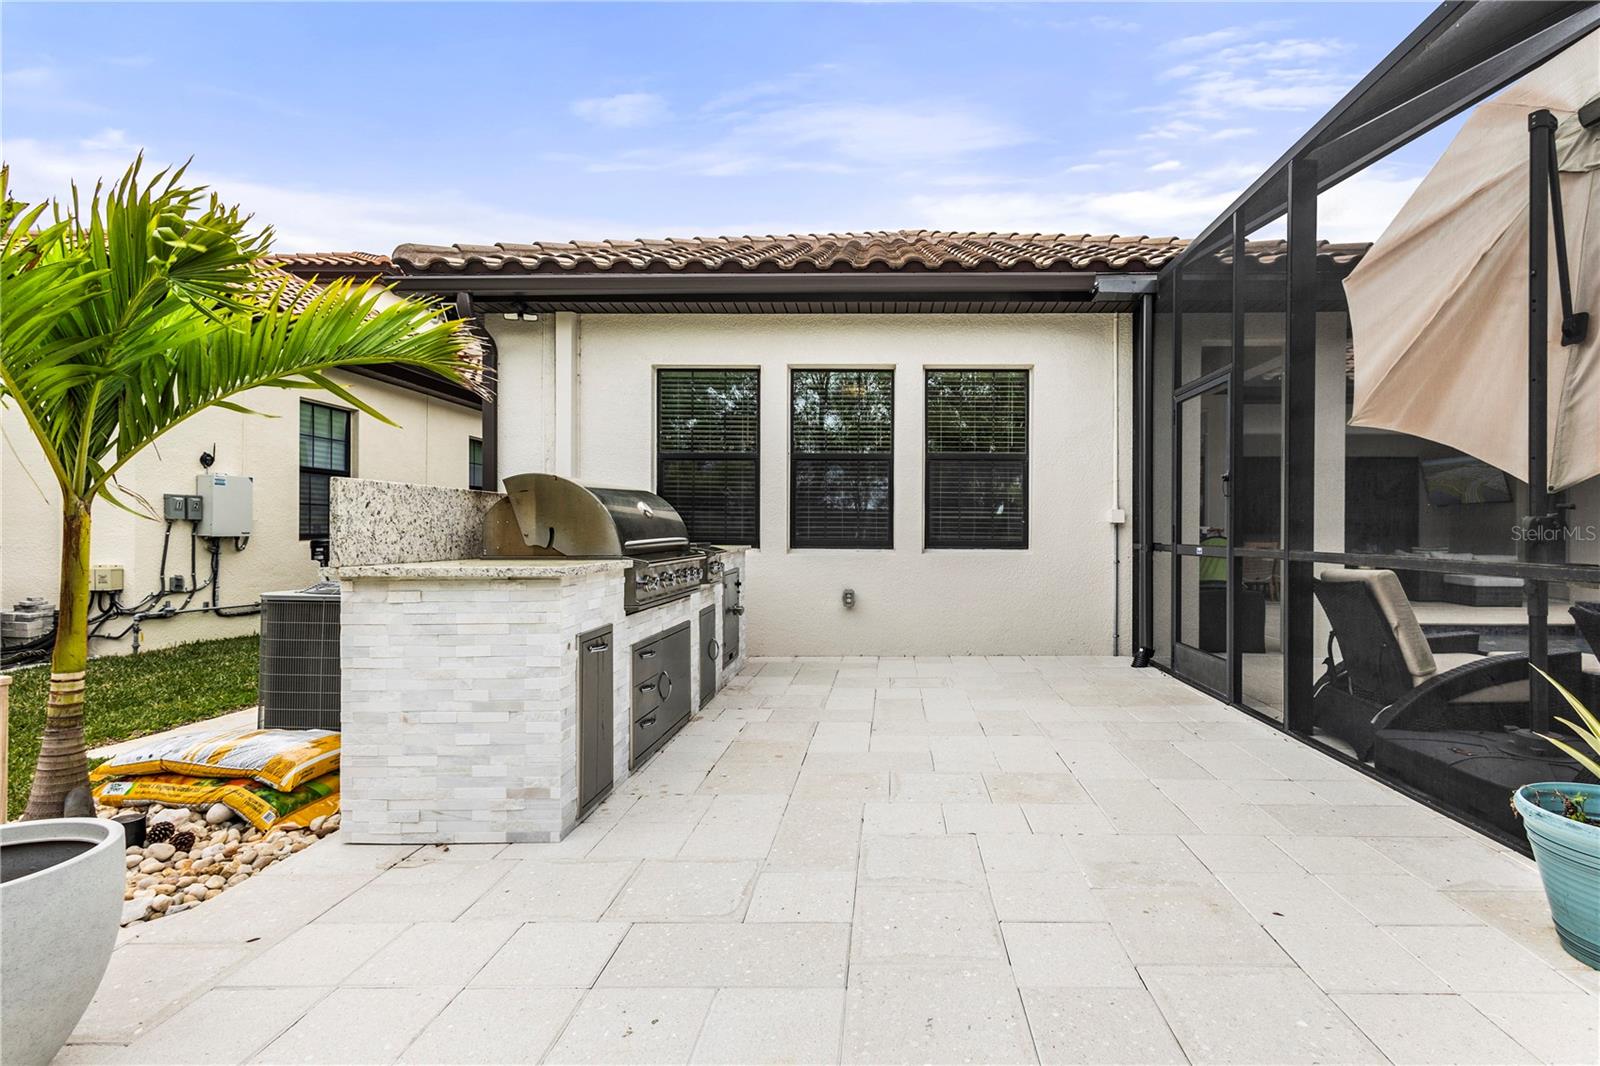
{"points": [[323, 473], [798, 457], [698, 530], [932, 459], [475, 467]]}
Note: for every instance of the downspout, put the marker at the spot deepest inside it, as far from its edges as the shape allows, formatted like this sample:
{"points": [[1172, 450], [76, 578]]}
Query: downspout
{"points": [[1114, 516]]}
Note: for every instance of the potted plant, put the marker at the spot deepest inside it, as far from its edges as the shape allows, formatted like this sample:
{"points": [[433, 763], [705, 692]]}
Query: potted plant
{"points": [[1562, 819], [60, 905]]}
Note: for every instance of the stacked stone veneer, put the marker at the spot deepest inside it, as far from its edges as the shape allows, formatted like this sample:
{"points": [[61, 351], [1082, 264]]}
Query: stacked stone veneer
{"points": [[460, 694]]}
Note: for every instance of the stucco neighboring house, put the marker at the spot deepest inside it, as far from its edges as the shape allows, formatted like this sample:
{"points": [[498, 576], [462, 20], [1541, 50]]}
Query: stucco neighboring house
{"points": [[288, 451], [925, 436]]}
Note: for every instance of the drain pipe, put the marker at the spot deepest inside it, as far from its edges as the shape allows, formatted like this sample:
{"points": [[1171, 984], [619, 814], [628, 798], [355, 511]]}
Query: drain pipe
{"points": [[1120, 287], [1115, 515]]}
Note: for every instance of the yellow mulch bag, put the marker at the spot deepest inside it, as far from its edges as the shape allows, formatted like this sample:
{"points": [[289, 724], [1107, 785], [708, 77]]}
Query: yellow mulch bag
{"points": [[260, 805], [279, 758]]}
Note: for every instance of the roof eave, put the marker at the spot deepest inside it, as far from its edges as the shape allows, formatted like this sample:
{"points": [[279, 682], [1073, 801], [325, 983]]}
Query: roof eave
{"points": [[929, 285]]}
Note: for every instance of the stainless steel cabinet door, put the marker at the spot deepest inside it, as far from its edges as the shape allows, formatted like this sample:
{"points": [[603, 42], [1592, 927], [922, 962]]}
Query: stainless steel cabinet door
{"points": [[710, 654], [732, 608], [596, 738]]}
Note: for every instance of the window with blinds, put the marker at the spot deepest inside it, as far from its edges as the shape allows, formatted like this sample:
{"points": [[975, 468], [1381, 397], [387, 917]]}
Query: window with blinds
{"points": [[324, 455], [977, 463], [841, 445], [708, 451]]}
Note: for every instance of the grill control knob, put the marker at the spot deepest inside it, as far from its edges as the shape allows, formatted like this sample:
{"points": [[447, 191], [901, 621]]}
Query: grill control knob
{"points": [[667, 580]]}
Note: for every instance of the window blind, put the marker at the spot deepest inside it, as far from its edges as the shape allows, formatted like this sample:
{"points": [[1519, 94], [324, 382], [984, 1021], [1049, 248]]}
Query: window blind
{"points": [[841, 459], [324, 455], [977, 459], [708, 451]]}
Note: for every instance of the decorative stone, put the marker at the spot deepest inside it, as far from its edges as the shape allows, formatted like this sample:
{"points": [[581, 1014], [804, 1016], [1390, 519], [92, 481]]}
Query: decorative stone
{"points": [[133, 860], [161, 852], [218, 813], [136, 910], [150, 866]]}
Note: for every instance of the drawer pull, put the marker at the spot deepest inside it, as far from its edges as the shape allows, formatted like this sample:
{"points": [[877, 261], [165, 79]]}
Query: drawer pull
{"points": [[643, 722], [648, 653], [602, 646], [648, 686]]}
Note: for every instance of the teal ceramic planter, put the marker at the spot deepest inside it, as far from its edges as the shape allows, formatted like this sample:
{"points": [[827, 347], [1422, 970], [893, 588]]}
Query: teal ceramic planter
{"points": [[1569, 863]]}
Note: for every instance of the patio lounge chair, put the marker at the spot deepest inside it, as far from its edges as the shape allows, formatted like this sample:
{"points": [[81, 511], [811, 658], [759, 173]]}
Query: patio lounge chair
{"points": [[1390, 675]]}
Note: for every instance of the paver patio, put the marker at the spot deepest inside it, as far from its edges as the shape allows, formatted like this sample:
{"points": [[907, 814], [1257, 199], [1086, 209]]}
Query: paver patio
{"points": [[895, 860]]}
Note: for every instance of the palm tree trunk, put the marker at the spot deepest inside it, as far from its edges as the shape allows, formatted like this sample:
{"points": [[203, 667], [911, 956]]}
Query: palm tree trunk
{"points": [[63, 763]]}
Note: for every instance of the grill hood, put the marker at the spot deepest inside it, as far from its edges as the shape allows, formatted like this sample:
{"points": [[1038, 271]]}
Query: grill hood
{"points": [[560, 515]]}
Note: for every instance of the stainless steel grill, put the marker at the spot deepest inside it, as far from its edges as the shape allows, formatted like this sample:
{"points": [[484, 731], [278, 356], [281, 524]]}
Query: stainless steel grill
{"points": [[558, 516]]}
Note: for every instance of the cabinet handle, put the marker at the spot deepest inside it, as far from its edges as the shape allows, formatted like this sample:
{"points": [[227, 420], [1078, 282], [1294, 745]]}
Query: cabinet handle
{"points": [[648, 686], [666, 685], [647, 721], [713, 650], [648, 653], [602, 646]]}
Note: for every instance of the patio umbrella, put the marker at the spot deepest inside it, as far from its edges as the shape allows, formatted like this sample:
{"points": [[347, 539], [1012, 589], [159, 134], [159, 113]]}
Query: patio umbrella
{"points": [[1439, 305]]}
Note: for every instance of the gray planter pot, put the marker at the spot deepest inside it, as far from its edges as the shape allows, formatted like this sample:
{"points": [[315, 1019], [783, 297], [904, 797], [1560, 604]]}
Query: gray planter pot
{"points": [[61, 883]]}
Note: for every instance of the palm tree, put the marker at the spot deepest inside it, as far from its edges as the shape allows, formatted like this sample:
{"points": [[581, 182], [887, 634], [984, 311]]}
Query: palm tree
{"points": [[124, 317]]}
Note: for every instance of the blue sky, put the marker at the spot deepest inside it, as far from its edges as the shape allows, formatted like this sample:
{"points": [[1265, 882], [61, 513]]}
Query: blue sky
{"points": [[365, 125]]}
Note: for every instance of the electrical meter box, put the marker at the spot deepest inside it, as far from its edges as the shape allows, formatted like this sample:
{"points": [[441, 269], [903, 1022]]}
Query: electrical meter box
{"points": [[105, 579], [225, 505]]}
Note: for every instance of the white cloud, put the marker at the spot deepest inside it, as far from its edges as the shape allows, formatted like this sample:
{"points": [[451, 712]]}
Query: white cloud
{"points": [[1205, 42], [308, 217], [885, 133], [1361, 207], [1114, 25], [1165, 166], [625, 110], [822, 138], [1180, 206]]}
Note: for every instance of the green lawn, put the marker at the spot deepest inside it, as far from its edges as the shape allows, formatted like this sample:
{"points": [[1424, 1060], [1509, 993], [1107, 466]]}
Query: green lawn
{"points": [[132, 696]]}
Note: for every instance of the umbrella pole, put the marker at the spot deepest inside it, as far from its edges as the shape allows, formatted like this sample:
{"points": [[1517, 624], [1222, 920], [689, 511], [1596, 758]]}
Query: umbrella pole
{"points": [[1538, 525]]}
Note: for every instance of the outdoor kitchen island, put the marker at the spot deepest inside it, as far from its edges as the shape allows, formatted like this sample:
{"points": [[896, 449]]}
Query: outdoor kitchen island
{"points": [[495, 699]]}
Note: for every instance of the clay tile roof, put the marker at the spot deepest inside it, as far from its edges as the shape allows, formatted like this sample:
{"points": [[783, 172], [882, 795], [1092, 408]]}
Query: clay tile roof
{"points": [[361, 265], [879, 250]]}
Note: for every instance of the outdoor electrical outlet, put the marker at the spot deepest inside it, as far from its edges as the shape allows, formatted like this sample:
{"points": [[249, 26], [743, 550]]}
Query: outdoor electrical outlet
{"points": [[849, 598]]}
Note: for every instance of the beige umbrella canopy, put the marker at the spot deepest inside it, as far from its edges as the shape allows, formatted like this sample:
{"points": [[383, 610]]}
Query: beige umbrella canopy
{"points": [[1439, 306]]}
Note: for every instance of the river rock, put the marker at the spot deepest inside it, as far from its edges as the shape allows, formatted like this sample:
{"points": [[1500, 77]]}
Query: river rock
{"points": [[150, 866], [162, 851], [136, 910], [218, 813], [133, 860]]}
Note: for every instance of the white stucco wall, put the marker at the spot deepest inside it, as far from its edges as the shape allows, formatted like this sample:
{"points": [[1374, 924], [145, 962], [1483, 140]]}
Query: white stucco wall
{"points": [[1056, 597], [428, 444]]}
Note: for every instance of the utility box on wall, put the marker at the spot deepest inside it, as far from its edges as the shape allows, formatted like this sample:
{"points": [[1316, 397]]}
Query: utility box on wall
{"points": [[226, 502]]}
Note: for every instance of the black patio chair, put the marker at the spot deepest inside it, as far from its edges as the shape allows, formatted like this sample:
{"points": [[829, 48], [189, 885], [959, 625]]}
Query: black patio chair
{"points": [[1587, 617], [1388, 674]]}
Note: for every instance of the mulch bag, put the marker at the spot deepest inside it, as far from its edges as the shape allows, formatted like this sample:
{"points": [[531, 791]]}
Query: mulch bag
{"points": [[261, 805], [279, 758]]}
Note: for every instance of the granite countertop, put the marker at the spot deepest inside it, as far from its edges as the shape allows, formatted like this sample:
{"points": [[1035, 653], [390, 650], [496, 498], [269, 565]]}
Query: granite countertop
{"points": [[480, 569]]}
